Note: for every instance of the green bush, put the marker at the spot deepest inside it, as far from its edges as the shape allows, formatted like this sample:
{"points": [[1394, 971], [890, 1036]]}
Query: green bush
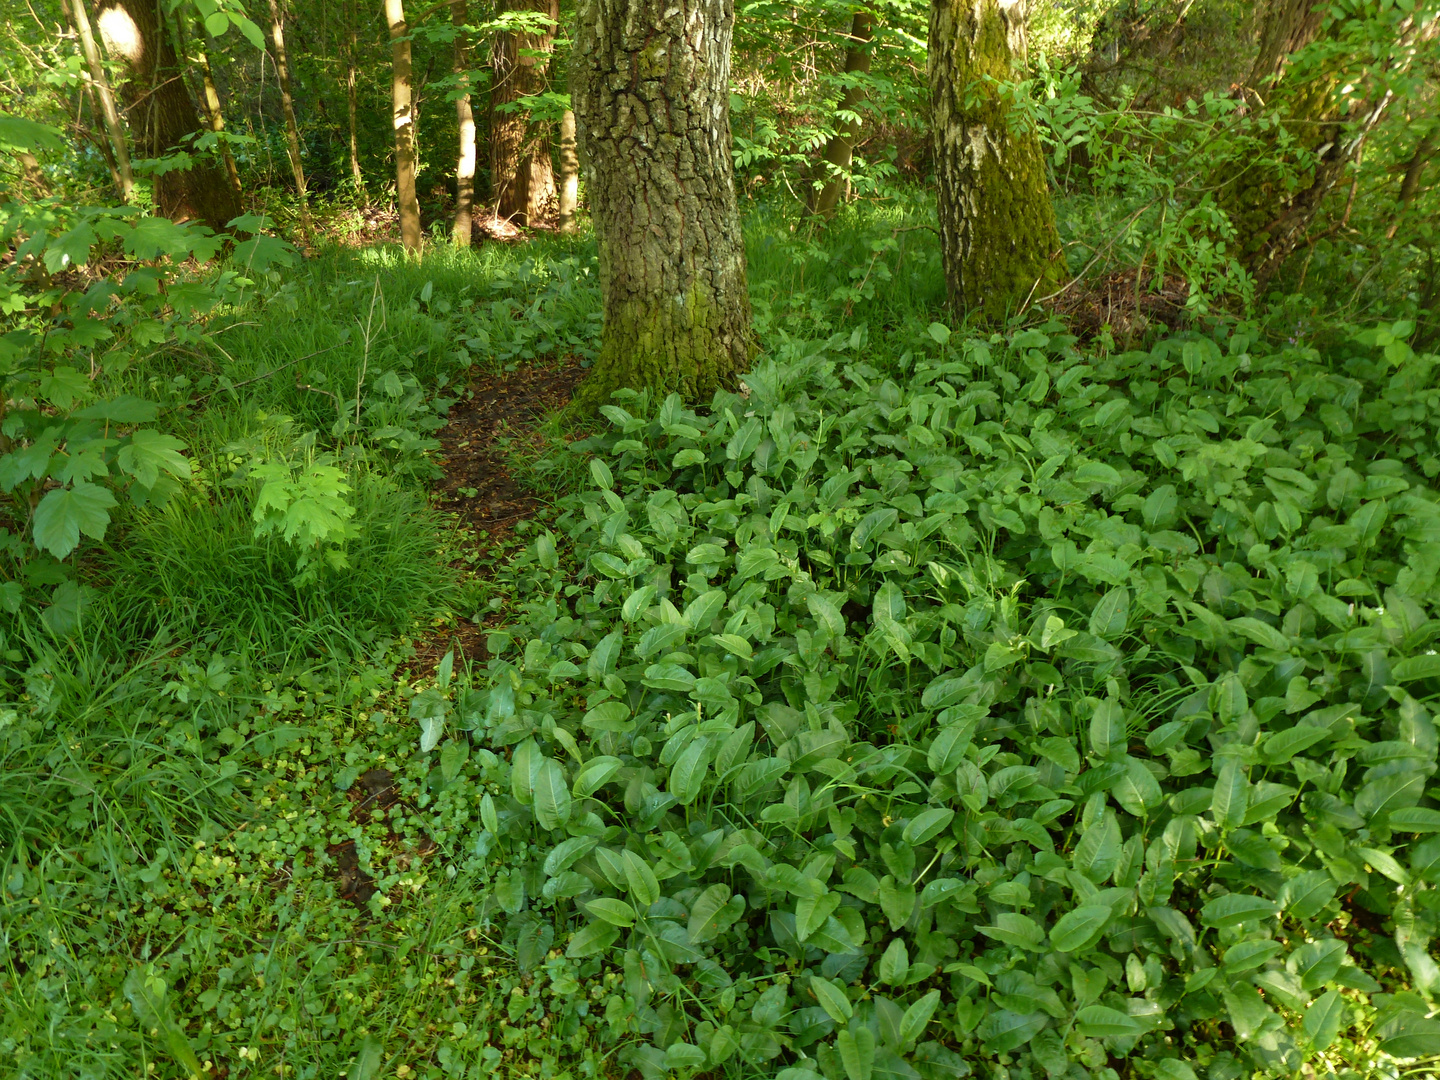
{"points": [[1012, 705]]}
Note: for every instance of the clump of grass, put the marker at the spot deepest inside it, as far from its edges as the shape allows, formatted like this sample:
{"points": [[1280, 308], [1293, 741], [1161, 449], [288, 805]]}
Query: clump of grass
{"points": [[194, 569]]}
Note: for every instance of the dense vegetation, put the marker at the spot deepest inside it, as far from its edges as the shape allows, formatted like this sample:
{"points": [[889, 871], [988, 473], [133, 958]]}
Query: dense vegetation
{"points": [[1023, 686]]}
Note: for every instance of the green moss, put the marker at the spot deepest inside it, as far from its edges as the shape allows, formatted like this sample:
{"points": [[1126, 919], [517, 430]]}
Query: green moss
{"points": [[688, 344]]}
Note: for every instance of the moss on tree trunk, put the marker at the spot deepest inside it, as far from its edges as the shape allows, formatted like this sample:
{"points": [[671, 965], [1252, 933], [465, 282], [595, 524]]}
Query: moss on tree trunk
{"points": [[997, 224], [650, 83]]}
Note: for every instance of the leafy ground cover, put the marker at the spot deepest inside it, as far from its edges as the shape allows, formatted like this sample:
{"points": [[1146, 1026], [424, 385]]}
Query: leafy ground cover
{"points": [[939, 704]]}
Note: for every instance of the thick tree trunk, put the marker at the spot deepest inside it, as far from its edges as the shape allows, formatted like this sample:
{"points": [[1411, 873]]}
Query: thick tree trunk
{"points": [[997, 223], [840, 150], [161, 114], [287, 104], [350, 100], [99, 87], [522, 180], [465, 116], [1289, 26], [1271, 213], [403, 115], [651, 87], [569, 173], [214, 111]]}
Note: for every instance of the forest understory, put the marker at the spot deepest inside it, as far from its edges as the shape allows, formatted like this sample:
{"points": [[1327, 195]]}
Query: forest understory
{"points": [[990, 629]]}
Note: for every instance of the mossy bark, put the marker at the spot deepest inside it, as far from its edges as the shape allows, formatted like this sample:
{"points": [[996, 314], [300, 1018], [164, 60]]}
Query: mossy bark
{"points": [[651, 87], [997, 223], [1273, 188]]}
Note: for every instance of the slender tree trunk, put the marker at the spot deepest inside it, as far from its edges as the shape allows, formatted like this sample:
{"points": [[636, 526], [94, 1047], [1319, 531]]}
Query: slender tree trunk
{"points": [[403, 115], [651, 85], [997, 224], [569, 173], [214, 112], [1410, 182], [105, 98], [162, 115], [465, 117], [840, 150], [287, 103], [522, 179], [350, 100]]}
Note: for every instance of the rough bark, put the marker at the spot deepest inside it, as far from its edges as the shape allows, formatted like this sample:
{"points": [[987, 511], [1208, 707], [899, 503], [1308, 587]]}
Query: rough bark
{"points": [[840, 149], [1288, 26], [99, 87], [650, 80], [465, 116], [162, 116], [350, 100], [287, 105], [522, 180], [569, 187], [997, 223], [403, 116]]}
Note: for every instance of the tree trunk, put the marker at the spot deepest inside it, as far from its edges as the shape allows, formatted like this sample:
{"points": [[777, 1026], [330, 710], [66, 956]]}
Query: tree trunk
{"points": [[1288, 27], [214, 111], [651, 87], [997, 224], [522, 180], [287, 104], [1410, 182], [1271, 213], [465, 115], [100, 90], [162, 115], [840, 150], [569, 173], [350, 101], [403, 115]]}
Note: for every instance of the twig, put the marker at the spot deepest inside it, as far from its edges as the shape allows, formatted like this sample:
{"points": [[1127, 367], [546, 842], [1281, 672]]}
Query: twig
{"points": [[257, 378]]}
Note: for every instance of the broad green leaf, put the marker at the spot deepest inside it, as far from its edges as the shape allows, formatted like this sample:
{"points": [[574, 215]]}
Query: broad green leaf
{"points": [[1305, 896], [1230, 799], [948, 749], [895, 963], [917, 1016], [525, 762], [640, 879], [831, 999], [601, 474], [1233, 909], [1247, 1009], [1080, 928], [609, 716], [1107, 728], [1397, 791], [1323, 1020], [1015, 929], [1261, 633], [707, 913], [1111, 615], [1098, 852], [857, 1052], [615, 912], [593, 775], [927, 825], [687, 776], [551, 795], [1103, 1022], [1283, 745], [64, 513], [1415, 819], [593, 938]]}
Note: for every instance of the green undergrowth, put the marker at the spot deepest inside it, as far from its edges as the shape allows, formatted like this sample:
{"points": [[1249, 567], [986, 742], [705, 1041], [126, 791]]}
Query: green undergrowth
{"points": [[993, 707], [935, 705]]}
